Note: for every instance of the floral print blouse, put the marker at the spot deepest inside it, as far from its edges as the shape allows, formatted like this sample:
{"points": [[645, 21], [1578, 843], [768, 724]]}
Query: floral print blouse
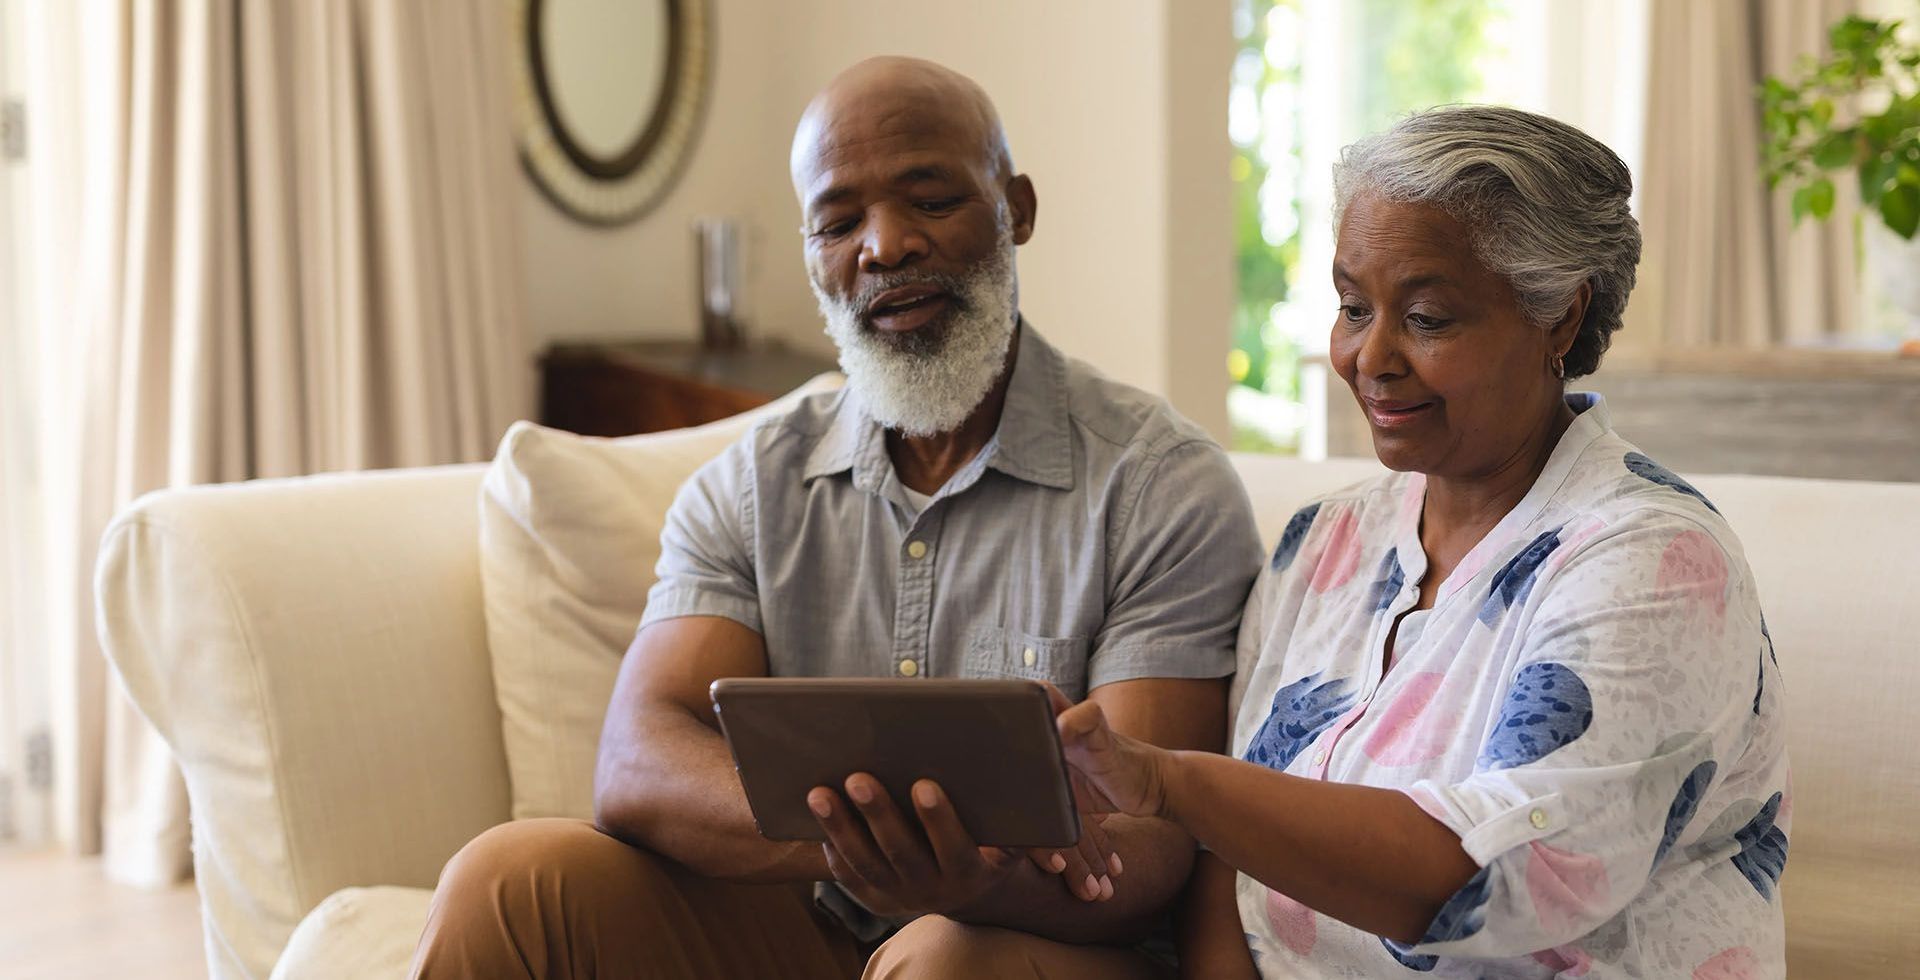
{"points": [[1592, 705]]}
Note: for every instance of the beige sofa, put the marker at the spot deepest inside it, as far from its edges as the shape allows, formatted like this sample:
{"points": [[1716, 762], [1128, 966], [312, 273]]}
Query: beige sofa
{"points": [[316, 652]]}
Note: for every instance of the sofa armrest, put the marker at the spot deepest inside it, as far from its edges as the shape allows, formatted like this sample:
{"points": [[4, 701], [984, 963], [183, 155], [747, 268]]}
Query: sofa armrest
{"points": [[314, 651]]}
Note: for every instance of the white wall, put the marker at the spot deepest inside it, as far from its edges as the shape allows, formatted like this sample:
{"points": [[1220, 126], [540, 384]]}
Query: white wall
{"points": [[1116, 109], [637, 280]]}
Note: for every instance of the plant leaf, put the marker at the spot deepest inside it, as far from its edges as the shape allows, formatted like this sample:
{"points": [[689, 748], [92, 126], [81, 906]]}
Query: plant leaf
{"points": [[1900, 207], [1820, 198], [1800, 199], [1835, 150], [1875, 175]]}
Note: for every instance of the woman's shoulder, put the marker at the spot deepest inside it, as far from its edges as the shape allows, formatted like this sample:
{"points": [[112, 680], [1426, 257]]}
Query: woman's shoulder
{"points": [[1350, 515], [1621, 495]]}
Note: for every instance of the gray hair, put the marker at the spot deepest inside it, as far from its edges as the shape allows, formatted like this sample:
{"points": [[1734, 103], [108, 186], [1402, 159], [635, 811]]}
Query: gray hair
{"points": [[1545, 202]]}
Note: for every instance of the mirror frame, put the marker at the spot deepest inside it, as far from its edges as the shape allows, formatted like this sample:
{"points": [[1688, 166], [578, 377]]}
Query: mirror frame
{"points": [[611, 190]]}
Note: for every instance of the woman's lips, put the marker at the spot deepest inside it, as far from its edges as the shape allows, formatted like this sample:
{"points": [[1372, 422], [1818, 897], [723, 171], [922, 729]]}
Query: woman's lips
{"points": [[1387, 414]]}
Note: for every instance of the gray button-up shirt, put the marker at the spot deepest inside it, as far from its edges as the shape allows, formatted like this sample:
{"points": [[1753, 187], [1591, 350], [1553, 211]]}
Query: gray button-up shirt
{"points": [[1097, 537]]}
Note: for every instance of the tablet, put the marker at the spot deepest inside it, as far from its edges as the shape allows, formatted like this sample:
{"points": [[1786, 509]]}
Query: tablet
{"points": [[991, 744]]}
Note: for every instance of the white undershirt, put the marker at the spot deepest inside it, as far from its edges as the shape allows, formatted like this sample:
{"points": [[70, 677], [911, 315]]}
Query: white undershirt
{"points": [[916, 498]]}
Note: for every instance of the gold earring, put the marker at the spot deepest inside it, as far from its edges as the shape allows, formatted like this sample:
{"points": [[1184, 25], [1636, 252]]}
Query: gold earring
{"points": [[1559, 365]]}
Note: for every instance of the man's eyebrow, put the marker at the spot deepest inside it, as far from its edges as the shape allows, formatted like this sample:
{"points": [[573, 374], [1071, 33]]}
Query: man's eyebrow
{"points": [[832, 195], [922, 173]]}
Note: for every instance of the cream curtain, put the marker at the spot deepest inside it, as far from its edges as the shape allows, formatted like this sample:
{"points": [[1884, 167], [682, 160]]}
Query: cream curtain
{"points": [[1723, 264], [297, 253]]}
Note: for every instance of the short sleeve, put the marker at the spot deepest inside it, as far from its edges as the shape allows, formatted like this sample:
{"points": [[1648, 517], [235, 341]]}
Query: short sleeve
{"points": [[1630, 701], [1185, 556], [706, 563]]}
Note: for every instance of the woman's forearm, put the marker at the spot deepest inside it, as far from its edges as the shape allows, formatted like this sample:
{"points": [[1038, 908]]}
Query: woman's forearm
{"points": [[1366, 856]]}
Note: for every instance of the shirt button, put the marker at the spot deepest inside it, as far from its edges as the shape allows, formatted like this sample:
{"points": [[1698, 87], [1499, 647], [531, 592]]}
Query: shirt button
{"points": [[1320, 759], [1027, 656], [908, 668], [1538, 818], [916, 549]]}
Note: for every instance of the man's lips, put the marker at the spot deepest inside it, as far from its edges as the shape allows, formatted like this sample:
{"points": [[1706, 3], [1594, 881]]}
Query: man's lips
{"points": [[1387, 413], [907, 307]]}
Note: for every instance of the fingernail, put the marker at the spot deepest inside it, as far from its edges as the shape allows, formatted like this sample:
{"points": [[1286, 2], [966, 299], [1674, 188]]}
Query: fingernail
{"points": [[923, 792], [819, 805], [1113, 863], [860, 791], [1058, 863], [1106, 888], [1093, 886]]}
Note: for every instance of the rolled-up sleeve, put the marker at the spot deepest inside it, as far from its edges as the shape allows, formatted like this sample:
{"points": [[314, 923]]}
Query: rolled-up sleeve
{"points": [[1186, 553], [706, 565], [1630, 698]]}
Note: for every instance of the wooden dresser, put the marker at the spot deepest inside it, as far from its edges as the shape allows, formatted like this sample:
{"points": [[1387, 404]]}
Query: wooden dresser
{"points": [[618, 389]]}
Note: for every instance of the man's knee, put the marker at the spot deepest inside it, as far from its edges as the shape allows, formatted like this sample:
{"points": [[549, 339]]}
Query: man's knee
{"points": [[934, 946], [524, 850], [540, 863]]}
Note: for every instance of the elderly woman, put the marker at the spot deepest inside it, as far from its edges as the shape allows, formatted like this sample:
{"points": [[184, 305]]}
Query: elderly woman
{"points": [[1510, 710]]}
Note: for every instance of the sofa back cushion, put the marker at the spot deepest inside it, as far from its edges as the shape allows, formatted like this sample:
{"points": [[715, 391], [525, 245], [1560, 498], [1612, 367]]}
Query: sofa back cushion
{"points": [[1834, 561], [569, 535]]}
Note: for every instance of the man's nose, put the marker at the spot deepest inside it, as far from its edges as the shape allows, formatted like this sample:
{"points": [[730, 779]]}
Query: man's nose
{"points": [[893, 239]]}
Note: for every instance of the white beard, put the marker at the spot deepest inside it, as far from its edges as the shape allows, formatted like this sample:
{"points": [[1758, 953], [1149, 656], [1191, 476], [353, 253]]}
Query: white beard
{"points": [[928, 381]]}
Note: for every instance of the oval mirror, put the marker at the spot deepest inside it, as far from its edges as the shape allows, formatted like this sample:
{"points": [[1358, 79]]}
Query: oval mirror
{"points": [[608, 93]]}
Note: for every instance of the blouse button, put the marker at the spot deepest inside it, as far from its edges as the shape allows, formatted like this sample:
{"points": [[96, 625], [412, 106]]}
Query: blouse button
{"points": [[908, 668], [1538, 818], [1320, 759]]}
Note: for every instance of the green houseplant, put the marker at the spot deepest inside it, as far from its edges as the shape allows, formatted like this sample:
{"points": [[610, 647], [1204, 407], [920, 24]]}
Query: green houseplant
{"points": [[1858, 109]]}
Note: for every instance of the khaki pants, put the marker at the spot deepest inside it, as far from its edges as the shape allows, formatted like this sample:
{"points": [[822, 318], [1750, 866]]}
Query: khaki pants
{"points": [[557, 898]]}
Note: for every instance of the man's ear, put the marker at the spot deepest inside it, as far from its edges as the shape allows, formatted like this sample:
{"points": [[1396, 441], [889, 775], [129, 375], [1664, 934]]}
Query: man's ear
{"points": [[1022, 205]]}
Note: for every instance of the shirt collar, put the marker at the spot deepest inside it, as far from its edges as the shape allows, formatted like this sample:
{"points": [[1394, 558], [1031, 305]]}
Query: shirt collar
{"points": [[1590, 422], [1033, 441]]}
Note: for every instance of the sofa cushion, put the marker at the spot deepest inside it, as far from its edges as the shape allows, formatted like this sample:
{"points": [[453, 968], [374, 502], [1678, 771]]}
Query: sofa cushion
{"points": [[367, 933], [569, 535]]}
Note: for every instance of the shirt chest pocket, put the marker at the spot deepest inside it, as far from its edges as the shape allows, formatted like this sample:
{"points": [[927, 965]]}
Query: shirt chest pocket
{"points": [[1060, 661]]}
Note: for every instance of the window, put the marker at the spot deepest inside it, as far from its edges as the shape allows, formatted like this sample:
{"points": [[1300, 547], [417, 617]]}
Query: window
{"points": [[1312, 76]]}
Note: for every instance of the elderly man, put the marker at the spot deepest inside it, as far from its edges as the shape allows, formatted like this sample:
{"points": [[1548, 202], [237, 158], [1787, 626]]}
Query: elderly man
{"points": [[971, 504]]}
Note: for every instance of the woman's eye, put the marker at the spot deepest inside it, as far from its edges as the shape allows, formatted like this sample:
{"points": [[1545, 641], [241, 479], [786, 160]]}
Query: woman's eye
{"points": [[1426, 322], [1352, 313]]}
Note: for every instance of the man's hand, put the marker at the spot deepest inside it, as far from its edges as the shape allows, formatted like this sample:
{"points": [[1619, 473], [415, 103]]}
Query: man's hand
{"points": [[895, 869], [1087, 868]]}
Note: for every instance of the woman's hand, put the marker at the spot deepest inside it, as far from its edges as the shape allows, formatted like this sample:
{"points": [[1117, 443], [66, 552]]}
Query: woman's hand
{"points": [[1113, 773]]}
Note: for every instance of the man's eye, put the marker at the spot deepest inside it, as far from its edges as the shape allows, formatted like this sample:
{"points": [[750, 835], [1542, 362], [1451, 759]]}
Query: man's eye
{"points": [[835, 229], [940, 205]]}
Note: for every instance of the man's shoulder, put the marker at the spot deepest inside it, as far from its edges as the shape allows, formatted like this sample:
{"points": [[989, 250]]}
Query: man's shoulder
{"points": [[1123, 416], [778, 442]]}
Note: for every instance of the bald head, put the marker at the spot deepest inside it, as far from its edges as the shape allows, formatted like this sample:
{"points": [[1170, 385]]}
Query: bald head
{"points": [[897, 100]]}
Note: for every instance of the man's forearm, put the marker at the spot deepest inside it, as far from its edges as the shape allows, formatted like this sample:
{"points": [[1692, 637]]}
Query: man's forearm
{"points": [[682, 799], [1155, 857]]}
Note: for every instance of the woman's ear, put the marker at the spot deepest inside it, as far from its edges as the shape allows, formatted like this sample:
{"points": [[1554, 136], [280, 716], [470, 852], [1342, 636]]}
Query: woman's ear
{"points": [[1560, 338]]}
